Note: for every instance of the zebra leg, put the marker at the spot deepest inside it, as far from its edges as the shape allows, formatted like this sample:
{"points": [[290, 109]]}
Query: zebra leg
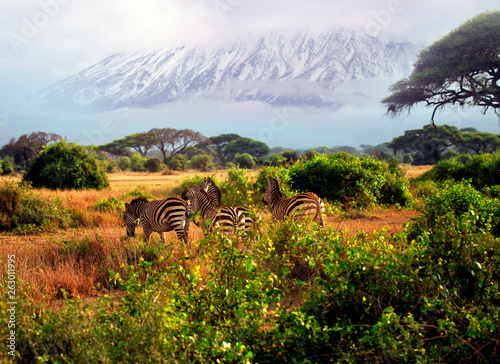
{"points": [[163, 237], [147, 231]]}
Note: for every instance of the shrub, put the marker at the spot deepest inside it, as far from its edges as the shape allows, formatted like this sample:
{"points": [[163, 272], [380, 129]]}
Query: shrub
{"points": [[459, 199], [110, 165], [6, 167], [237, 190], [38, 213], [138, 193], [124, 163], [10, 200], [189, 182], [342, 176], [202, 162], [137, 163], [178, 163], [482, 170], [110, 204], [245, 161], [152, 165], [66, 166]]}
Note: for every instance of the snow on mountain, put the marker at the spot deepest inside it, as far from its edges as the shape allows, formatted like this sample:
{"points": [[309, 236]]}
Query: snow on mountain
{"points": [[277, 69]]}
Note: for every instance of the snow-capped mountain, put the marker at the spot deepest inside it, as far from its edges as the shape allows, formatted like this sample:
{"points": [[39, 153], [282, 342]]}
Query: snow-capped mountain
{"points": [[277, 69]]}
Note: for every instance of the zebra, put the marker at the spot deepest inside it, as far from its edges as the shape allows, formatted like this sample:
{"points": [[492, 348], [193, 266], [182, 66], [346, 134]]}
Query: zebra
{"points": [[303, 205], [159, 215], [228, 218], [250, 214]]}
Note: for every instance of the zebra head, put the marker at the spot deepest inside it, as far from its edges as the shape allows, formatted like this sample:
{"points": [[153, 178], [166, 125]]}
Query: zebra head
{"points": [[212, 190], [131, 216], [272, 190]]}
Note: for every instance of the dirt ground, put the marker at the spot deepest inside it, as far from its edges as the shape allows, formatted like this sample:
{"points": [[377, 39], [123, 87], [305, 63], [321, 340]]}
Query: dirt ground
{"points": [[391, 221]]}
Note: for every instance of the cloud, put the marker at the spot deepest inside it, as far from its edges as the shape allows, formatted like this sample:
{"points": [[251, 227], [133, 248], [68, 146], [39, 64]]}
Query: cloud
{"points": [[44, 41]]}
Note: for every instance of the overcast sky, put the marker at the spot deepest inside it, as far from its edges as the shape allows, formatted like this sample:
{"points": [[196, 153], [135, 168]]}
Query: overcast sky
{"points": [[42, 42]]}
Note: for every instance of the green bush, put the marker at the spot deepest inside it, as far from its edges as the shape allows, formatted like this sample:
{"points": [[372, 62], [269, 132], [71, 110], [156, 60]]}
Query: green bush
{"points": [[124, 163], [138, 192], [237, 190], [202, 162], [23, 210], [66, 166], [152, 165], [178, 163], [6, 167], [111, 204], [459, 199], [245, 160], [342, 176], [482, 170], [137, 163], [110, 165], [378, 299], [189, 182]]}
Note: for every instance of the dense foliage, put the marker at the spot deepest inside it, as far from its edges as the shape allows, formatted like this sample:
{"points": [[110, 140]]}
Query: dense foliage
{"points": [[461, 68], [342, 177], [66, 166], [24, 210], [289, 293], [377, 298], [482, 170]]}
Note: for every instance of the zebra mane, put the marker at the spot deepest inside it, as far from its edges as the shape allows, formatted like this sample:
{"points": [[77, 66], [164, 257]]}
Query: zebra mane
{"points": [[209, 182], [276, 185], [137, 200]]}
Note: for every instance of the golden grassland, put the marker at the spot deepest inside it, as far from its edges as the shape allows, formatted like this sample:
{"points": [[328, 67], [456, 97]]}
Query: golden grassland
{"points": [[77, 262]]}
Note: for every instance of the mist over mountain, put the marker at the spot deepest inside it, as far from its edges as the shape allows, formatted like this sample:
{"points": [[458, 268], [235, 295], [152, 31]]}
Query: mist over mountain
{"points": [[277, 69]]}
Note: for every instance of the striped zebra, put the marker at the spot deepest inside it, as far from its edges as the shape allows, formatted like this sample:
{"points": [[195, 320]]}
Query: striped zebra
{"points": [[159, 215], [300, 206], [250, 214], [228, 219]]}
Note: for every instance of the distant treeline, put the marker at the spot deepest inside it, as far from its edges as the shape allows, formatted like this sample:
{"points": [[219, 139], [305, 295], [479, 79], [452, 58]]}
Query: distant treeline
{"points": [[179, 149]]}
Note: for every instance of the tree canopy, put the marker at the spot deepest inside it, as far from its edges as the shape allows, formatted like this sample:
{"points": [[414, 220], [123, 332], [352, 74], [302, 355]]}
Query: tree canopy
{"points": [[462, 68], [428, 144], [246, 145], [28, 146], [168, 141]]}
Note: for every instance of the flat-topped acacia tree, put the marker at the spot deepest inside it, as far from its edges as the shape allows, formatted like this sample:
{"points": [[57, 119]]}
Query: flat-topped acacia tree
{"points": [[462, 68]]}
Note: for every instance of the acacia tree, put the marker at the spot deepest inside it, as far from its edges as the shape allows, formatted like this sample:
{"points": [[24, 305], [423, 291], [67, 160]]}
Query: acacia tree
{"points": [[462, 68], [478, 142], [427, 143], [28, 146], [242, 145], [117, 147], [171, 142], [140, 142], [218, 143]]}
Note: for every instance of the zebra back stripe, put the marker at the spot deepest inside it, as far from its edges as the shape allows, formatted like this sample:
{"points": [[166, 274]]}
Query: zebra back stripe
{"points": [[158, 216], [250, 215], [300, 206], [228, 218]]}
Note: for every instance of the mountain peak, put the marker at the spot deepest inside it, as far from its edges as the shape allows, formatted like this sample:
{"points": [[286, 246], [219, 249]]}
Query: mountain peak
{"points": [[278, 69]]}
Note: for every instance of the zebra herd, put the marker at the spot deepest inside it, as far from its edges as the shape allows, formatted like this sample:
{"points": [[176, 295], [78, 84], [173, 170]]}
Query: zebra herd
{"points": [[174, 213]]}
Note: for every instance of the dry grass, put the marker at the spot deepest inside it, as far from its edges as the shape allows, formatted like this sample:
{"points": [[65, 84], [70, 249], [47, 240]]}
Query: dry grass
{"points": [[76, 262], [415, 171]]}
